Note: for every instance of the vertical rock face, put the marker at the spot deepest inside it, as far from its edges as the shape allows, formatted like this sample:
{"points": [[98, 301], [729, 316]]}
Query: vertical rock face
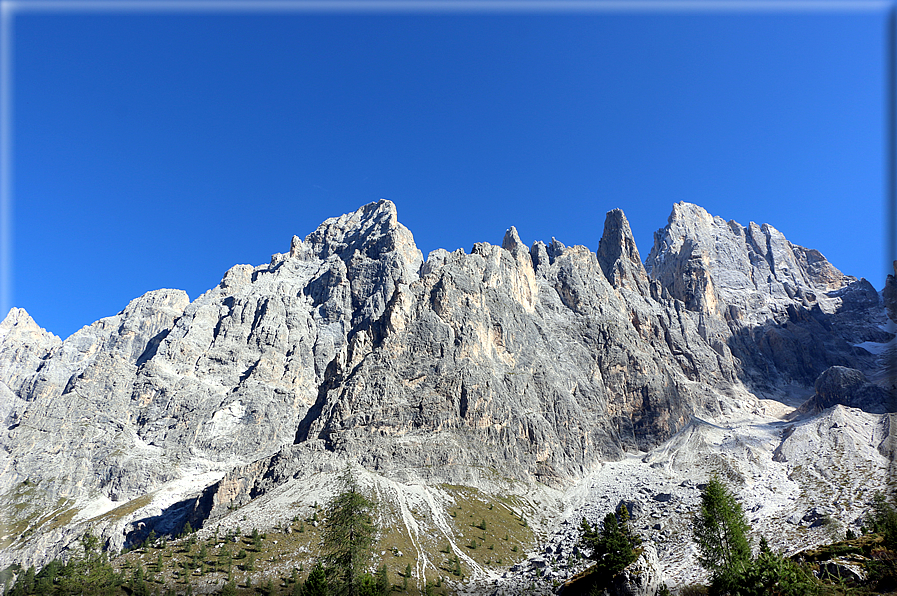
{"points": [[543, 367], [713, 265], [889, 294], [782, 310], [540, 362], [618, 255]]}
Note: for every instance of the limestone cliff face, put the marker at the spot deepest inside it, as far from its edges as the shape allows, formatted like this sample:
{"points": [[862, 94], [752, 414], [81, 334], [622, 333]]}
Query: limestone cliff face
{"points": [[540, 362], [783, 311]]}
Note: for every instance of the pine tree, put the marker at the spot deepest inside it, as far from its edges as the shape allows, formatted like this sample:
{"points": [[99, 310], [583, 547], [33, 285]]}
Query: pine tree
{"points": [[769, 574], [720, 531], [316, 583], [613, 547], [382, 578], [348, 537], [138, 583], [884, 519], [29, 580]]}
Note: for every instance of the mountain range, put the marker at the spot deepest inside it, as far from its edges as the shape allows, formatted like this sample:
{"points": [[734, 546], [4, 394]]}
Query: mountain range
{"points": [[560, 379]]}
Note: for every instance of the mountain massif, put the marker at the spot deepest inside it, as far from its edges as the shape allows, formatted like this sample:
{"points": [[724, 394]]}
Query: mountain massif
{"points": [[566, 378]]}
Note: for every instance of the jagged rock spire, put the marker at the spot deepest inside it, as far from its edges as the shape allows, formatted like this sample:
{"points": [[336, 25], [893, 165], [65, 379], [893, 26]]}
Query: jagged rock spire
{"points": [[618, 255]]}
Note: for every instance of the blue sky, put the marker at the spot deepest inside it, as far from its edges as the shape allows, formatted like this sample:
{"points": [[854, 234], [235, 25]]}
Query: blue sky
{"points": [[159, 149]]}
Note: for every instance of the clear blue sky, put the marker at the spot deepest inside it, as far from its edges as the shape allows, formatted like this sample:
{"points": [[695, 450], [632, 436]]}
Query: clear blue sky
{"points": [[157, 150]]}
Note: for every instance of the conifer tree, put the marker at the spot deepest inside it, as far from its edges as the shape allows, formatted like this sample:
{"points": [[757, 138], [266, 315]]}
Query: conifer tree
{"points": [[884, 519], [382, 580], [348, 537], [614, 546], [720, 531], [316, 583]]}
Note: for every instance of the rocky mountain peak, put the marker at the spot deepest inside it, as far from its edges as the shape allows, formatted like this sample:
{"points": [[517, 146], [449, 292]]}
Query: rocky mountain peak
{"points": [[511, 242], [712, 266], [18, 320], [23, 345], [377, 253], [618, 255], [372, 230], [761, 297]]}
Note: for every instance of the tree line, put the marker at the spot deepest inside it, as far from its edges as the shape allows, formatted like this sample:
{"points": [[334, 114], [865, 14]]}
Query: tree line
{"points": [[722, 535], [719, 530]]}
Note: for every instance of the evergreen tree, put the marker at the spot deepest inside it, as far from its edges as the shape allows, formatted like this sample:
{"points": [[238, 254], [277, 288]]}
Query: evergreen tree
{"points": [[884, 520], [138, 583], [348, 537], [89, 574], [29, 581], [720, 531], [47, 576], [224, 559], [770, 574], [316, 583], [614, 547], [382, 578], [229, 589]]}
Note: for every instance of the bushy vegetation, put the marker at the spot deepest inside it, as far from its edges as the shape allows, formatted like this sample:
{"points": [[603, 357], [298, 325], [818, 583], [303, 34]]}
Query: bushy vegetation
{"points": [[89, 573], [614, 546], [722, 535], [340, 539]]}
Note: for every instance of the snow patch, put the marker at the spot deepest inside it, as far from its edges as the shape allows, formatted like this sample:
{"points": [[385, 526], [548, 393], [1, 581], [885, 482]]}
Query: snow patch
{"points": [[875, 347]]}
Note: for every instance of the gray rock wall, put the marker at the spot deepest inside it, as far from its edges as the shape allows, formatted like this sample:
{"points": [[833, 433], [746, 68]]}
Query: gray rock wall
{"points": [[540, 362]]}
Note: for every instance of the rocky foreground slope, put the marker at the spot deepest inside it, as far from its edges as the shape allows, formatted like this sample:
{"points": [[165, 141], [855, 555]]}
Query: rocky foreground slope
{"points": [[566, 378]]}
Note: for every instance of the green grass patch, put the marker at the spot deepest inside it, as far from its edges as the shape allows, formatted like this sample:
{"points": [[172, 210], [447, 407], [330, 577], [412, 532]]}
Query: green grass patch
{"points": [[127, 508]]}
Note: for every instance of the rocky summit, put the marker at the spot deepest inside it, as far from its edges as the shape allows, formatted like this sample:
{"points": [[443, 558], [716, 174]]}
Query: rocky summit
{"points": [[551, 382]]}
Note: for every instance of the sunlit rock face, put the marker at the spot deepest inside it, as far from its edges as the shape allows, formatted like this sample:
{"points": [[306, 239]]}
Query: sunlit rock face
{"points": [[782, 310], [539, 362]]}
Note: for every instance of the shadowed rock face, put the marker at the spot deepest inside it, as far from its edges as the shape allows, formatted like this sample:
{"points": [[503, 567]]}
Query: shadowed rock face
{"points": [[848, 387], [539, 362], [618, 255], [782, 310]]}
